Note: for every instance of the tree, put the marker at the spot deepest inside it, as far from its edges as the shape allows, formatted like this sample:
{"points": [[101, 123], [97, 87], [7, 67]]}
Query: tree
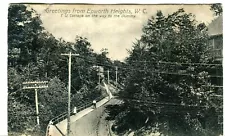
{"points": [[20, 115], [217, 9], [152, 86], [52, 101], [28, 46], [24, 27]]}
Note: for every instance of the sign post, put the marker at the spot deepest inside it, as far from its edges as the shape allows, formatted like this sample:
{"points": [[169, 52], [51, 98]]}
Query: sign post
{"points": [[35, 85]]}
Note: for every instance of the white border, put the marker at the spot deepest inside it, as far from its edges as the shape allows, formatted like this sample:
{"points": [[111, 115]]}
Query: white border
{"points": [[119, 1], [3, 45]]}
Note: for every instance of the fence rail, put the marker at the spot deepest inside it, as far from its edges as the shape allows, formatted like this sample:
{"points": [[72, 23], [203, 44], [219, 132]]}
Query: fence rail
{"points": [[63, 116], [80, 106], [120, 86]]}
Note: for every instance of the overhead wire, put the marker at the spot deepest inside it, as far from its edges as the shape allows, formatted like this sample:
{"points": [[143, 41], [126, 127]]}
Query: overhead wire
{"points": [[165, 103], [155, 71], [147, 70], [178, 63]]}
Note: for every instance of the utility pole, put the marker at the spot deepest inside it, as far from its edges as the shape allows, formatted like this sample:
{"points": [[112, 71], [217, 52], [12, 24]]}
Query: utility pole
{"points": [[69, 89], [116, 75], [108, 75], [35, 85], [99, 74]]}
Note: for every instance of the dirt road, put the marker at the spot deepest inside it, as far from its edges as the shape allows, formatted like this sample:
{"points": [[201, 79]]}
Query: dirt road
{"points": [[93, 124]]}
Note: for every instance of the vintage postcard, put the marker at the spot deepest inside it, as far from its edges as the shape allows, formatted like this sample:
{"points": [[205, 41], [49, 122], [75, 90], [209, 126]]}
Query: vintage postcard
{"points": [[115, 69]]}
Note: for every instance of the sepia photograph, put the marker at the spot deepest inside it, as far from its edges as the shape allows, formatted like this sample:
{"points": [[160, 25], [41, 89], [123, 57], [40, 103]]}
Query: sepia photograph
{"points": [[115, 69]]}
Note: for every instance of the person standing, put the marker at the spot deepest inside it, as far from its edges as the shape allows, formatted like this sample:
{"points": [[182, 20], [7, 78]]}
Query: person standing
{"points": [[75, 110], [94, 104]]}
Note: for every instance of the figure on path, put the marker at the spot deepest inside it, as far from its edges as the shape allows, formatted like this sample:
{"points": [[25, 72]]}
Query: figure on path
{"points": [[75, 110], [94, 104]]}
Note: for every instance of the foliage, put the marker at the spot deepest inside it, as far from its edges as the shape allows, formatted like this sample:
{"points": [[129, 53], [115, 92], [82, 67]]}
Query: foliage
{"points": [[217, 9], [24, 27], [52, 100], [152, 86], [18, 112]]}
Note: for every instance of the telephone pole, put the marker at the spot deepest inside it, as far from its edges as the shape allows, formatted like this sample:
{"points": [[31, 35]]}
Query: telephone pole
{"points": [[69, 89], [99, 76], [108, 75], [116, 75], [35, 85]]}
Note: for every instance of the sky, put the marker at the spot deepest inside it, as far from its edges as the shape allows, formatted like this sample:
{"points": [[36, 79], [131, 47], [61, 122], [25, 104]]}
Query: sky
{"points": [[117, 34]]}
